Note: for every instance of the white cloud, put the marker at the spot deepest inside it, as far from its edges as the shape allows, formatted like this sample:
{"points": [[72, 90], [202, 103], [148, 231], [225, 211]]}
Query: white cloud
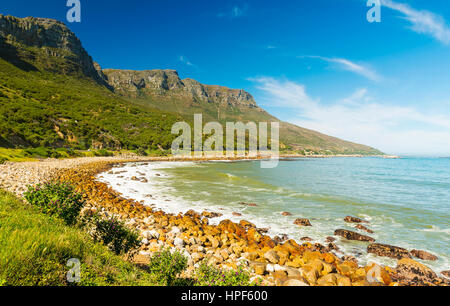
{"points": [[392, 129], [185, 61], [422, 21], [348, 65]]}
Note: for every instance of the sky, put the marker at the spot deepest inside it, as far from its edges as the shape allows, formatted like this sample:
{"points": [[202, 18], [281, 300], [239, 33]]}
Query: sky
{"points": [[319, 64]]}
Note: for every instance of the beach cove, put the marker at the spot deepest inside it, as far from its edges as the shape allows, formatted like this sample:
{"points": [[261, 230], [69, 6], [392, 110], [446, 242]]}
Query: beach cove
{"points": [[278, 260]]}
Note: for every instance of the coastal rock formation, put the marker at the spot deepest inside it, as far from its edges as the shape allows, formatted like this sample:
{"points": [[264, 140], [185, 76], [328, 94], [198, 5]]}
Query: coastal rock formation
{"points": [[363, 228], [51, 39], [352, 235], [423, 255], [413, 273], [388, 251], [350, 219], [302, 222]]}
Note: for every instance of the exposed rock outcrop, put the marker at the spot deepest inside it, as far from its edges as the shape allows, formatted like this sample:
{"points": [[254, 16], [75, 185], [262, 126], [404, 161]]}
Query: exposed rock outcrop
{"points": [[388, 251], [352, 235]]}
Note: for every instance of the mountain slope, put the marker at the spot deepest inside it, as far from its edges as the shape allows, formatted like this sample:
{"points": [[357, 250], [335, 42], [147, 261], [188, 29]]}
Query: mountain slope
{"points": [[53, 94]]}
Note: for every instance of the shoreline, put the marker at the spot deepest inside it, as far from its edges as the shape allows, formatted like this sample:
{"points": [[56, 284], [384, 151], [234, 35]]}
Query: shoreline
{"points": [[242, 241]]}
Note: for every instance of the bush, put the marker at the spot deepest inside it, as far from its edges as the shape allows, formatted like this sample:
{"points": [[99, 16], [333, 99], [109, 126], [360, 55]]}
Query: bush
{"points": [[3, 160], [141, 152], [103, 152], [207, 275], [116, 236], [56, 199], [167, 266]]}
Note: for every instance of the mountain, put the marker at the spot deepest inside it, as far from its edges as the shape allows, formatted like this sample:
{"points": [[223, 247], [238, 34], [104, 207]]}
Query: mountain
{"points": [[52, 93]]}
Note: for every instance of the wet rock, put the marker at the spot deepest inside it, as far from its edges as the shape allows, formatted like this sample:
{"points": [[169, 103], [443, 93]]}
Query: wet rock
{"points": [[423, 255], [306, 239], [246, 224], [286, 213], [263, 230], [411, 272], [134, 178], [330, 239], [350, 219], [211, 215], [281, 239], [236, 214], [349, 235], [446, 273], [302, 222], [363, 228], [386, 250], [350, 258], [332, 247]]}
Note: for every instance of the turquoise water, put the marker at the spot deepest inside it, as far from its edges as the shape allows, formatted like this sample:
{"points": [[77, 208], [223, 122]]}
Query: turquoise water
{"points": [[407, 201]]}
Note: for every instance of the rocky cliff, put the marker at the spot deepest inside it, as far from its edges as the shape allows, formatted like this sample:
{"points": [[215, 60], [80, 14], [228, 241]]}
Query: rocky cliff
{"points": [[167, 82], [36, 40]]}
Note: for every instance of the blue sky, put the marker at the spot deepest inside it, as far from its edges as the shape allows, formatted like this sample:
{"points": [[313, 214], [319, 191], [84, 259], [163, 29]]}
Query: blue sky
{"points": [[316, 63]]}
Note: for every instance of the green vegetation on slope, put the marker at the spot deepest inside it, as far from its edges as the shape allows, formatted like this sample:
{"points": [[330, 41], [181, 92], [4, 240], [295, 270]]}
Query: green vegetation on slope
{"points": [[43, 109], [35, 248]]}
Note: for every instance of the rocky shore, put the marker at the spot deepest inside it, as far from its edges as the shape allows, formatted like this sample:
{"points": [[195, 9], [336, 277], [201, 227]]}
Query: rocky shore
{"points": [[272, 260]]}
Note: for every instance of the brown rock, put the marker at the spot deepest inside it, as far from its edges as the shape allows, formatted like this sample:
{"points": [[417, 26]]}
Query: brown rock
{"points": [[411, 272], [272, 256], [330, 239], [211, 215], [351, 219], [286, 213], [236, 214], [302, 222], [306, 239], [423, 255], [388, 251], [280, 239], [247, 224], [363, 228], [352, 235], [446, 273]]}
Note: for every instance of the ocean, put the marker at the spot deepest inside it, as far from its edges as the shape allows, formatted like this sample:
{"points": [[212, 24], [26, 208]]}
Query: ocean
{"points": [[406, 200]]}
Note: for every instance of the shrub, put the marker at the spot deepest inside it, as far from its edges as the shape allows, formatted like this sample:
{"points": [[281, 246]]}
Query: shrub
{"points": [[167, 266], [141, 152], [3, 160], [207, 275], [116, 236], [56, 199], [103, 152]]}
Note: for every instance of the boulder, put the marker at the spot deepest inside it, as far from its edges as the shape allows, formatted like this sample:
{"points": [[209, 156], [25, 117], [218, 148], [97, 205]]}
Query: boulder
{"points": [[352, 235], [411, 272], [281, 239], [285, 213], [386, 250], [178, 242], [272, 256], [302, 222], [350, 219], [423, 255], [363, 228], [306, 239], [446, 273]]}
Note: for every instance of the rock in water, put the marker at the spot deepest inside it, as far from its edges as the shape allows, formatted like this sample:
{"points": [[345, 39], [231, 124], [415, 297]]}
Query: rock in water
{"points": [[350, 219], [352, 235], [423, 255], [411, 272], [388, 251], [302, 222]]}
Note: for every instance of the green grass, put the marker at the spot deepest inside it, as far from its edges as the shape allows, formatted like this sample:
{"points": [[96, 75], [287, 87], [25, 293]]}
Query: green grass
{"points": [[35, 248]]}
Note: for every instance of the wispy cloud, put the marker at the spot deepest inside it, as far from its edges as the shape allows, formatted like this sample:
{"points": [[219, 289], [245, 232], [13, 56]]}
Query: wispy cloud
{"points": [[235, 12], [358, 118], [422, 21], [349, 65], [185, 61]]}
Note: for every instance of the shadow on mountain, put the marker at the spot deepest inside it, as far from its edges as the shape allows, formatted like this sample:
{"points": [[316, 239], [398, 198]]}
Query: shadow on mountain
{"points": [[10, 54]]}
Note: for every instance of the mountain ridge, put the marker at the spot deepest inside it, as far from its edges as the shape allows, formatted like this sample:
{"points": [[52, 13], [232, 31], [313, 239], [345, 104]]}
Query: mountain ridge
{"points": [[38, 45]]}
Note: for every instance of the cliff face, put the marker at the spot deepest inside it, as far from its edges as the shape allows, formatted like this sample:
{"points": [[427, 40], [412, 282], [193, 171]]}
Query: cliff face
{"points": [[167, 82], [38, 40]]}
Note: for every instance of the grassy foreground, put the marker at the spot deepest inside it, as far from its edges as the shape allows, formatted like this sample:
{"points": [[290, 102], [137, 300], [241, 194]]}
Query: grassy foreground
{"points": [[34, 250]]}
